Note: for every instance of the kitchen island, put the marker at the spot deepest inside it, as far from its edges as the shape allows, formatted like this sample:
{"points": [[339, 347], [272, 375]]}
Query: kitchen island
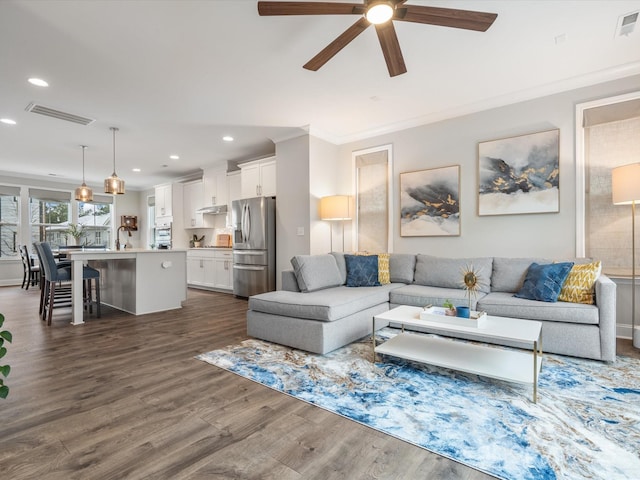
{"points": [[137, 281]]}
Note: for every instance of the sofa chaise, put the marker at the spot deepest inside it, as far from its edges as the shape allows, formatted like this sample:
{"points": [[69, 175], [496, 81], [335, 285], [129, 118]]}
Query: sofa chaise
{"points": [[317, 311]]}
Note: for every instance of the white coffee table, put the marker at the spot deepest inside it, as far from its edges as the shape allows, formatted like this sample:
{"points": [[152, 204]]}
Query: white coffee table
{"points": [[509, 365]]}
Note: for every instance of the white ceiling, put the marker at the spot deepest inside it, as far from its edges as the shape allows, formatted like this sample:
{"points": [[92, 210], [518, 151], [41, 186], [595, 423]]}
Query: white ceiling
{"points": [[176, 75]]}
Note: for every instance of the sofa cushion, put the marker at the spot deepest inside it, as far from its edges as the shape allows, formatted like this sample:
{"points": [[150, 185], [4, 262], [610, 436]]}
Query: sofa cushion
{"points": [[362, 270], [509, 273], [504, 304], [447, 272], [324, 305], [421, 295], [579, 285], [544, 282], [316, 272], [402, 267], [342, 266]]}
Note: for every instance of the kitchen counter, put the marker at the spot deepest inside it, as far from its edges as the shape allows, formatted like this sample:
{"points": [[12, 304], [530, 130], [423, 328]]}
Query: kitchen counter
{"points": [[135, 280]]}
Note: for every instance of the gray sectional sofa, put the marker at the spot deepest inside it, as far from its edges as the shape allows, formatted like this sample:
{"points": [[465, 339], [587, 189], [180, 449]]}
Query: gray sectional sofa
{"points": [[317, 312]]}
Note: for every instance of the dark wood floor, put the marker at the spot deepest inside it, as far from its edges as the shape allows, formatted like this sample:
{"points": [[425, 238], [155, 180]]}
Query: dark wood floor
{"points": [[122, 397]]}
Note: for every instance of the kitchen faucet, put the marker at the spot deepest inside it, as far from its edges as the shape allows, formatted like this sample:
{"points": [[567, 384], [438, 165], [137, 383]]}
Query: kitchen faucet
{"points": [[128, 229]]}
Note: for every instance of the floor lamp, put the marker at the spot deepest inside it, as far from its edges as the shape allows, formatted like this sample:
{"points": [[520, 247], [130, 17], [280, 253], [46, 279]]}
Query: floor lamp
{"points": [[625, 189], [336, 208]]}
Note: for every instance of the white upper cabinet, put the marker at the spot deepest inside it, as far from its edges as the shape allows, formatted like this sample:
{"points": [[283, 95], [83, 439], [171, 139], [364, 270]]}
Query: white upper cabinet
{"points": [[163, 201], [215, 187], [234, 187], [258, 178], [169, 204], [193, 195], [268, 178]]}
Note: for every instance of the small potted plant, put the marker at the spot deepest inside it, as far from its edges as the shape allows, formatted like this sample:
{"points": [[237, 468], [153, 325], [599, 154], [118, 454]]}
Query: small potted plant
{"points": [[76, 231], [449, 309], [197, 242]]}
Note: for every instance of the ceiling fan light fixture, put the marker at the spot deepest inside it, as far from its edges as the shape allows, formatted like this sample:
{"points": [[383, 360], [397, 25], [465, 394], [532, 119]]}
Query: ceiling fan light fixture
{"points": [[114, 184], [379, 12], [83, 193]]}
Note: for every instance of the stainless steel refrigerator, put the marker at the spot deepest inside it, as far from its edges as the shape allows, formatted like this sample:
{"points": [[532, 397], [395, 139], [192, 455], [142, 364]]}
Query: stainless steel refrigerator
{"points": [[254, 245]]}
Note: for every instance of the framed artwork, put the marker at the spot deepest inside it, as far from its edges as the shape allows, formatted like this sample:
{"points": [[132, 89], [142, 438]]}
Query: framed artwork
{"points": [[519, 174], [430, 202]]}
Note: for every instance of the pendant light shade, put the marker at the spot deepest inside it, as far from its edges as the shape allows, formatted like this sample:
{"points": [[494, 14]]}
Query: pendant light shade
{"points": [[113, 184], [84, 193]]}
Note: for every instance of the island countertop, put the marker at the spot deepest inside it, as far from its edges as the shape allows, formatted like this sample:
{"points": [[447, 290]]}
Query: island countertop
{"points": [[136, 280]]}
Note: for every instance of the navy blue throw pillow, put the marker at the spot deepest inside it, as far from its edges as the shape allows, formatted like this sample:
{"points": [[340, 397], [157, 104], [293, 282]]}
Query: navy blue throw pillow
{"points": [[362, 270], [544, 282]]}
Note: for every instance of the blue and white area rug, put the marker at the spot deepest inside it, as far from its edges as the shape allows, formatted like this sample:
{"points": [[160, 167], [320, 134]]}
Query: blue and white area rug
{"points": [[586, 424]]}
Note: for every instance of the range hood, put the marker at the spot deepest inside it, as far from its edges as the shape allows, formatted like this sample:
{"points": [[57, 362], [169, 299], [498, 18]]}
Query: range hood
{"points": [[214, 210]]}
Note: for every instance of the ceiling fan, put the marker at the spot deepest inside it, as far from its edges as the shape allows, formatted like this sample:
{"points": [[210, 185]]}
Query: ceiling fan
{"points": [[380, 13]]}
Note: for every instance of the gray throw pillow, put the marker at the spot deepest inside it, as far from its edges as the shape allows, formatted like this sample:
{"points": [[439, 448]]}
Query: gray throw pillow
{"points": [[402, 267], [315, 272], [342, 265]]}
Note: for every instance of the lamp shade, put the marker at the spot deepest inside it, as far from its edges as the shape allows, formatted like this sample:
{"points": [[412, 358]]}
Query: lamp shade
{"points": [[625, 184], [335, 207]]}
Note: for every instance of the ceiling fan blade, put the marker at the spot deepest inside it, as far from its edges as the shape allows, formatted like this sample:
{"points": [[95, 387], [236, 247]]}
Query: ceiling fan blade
{"points": [[309, 8], [338, 44], [446, 17], [391, 48]]}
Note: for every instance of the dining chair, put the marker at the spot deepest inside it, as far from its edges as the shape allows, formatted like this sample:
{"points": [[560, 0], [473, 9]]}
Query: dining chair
{"points": [[57, 280], [31, 272]]}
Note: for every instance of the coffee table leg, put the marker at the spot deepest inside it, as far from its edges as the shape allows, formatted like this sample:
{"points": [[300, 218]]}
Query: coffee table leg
{"points": [[373, 338], [535, 369]]}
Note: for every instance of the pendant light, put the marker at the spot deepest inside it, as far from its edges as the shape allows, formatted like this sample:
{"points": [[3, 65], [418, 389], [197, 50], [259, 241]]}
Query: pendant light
{"points": [[83, 193], [113, 184]]}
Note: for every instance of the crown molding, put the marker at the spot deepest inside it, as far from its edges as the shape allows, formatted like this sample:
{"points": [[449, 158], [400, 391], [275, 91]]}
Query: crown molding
{"points": [[593, 78]]}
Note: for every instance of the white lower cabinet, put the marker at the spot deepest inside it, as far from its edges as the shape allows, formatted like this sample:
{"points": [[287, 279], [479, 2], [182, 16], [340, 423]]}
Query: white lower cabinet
{"points": [[223, 270], [200, 271], [209, 268]]}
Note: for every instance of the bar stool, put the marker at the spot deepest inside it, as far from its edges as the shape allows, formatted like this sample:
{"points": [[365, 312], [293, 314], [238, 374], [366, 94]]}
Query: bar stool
{"points": [[43, 284], [52, 296]]}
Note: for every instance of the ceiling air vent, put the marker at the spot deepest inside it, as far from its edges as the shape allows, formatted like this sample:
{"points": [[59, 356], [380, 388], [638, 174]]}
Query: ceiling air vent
{"points": [[52, 112], [626, 24]]}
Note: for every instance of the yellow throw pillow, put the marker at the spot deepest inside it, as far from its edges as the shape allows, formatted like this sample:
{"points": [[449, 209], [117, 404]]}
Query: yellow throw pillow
{"points": [[384, 277], [579, 285]]}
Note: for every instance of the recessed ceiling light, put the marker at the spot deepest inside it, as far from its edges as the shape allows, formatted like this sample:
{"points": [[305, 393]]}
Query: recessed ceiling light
{"points": [[38, 82], [136, 170], [8, 121], [227, 138], [174, 157]]}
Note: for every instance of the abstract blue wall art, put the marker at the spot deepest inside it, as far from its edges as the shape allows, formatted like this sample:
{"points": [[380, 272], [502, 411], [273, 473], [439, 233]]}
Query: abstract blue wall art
{"points": [[430, 202], [519, 174]]}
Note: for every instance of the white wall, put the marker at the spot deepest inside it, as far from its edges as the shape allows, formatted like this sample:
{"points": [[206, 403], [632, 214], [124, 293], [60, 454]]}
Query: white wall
{"points": [[324, 161], [455, 141], [129, 204], [292, 202]]}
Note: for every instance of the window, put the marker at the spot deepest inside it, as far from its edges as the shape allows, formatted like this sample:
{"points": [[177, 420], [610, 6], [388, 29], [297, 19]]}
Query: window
{"points": [[373, 186], [96, 220], [9, 221], [49, 216], [608, 137]]}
